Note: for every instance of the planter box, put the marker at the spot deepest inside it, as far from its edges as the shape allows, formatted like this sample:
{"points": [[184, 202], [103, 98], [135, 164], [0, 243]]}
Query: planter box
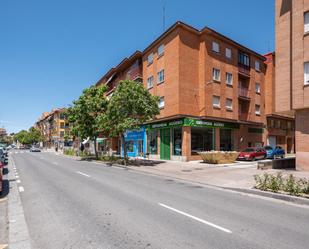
{"points": [[219, 157]]}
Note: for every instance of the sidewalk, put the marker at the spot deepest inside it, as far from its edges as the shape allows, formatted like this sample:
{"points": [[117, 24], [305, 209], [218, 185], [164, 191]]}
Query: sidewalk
{"points": [[239, 175]]}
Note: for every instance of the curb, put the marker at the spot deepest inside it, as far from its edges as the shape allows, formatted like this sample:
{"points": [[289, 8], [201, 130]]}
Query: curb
{"points": [[18, 229], [278, 196]]}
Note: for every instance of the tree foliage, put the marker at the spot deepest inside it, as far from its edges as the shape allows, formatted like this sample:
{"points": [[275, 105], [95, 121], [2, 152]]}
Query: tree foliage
{"points": [[86, 112], [28, 137], [130, 106]]}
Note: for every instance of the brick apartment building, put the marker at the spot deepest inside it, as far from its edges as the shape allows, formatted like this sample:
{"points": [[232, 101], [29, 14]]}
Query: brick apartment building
{"points": [[212, 95], [53, 127], [292, 70], [280, 129]]}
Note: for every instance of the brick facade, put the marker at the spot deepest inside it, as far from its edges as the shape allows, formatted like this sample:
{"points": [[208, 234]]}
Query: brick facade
{"points": [[292, 51]]}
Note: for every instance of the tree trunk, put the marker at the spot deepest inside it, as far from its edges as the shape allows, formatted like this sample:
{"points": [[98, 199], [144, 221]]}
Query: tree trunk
{"points": [[124, 149], [95, 147]]}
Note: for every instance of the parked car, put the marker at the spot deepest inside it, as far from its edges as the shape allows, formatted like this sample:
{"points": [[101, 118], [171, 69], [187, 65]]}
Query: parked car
{"points": [[35, 149], [1, 175], [4, 150], [252, 153], [273, 153], [3, 157]]}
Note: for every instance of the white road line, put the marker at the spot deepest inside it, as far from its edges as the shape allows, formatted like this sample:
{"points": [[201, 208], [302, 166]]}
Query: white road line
{"points": [[18, 181], [196, 218], [21, 189], [17, 177], [83, 174], [55, 163]]}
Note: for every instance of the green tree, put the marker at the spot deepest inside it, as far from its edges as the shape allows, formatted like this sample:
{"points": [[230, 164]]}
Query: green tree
{"points": [[34, 135], [86, 112], [130, 106]]}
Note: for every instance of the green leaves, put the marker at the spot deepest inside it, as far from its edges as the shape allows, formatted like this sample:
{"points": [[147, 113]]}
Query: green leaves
{"points": [[86, 112], [130, 106], [28, 137]]}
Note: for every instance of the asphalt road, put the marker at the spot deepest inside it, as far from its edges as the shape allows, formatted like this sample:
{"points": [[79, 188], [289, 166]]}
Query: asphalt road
{"points": [[75, 204]]}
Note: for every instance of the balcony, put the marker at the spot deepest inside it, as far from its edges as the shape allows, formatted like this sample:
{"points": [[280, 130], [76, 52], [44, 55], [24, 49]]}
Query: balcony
{"points": [[135, 73], [243, 93], [243, 116], [244, 70]]}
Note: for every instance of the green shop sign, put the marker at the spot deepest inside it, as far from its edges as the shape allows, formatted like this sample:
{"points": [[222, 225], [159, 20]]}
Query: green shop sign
{"points": [[193, 123]]}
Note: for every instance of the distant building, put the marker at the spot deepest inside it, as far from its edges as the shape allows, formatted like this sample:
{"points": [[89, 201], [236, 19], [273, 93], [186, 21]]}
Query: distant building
{"points": [[53, 127], [3, 132]]}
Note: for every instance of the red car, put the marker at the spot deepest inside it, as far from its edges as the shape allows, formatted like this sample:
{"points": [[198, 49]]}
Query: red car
{"points": [[251, 154]]}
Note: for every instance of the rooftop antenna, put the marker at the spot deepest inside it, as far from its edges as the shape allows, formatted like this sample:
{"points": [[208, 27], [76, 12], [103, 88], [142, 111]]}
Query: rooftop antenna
{"points": [[163, 11]]}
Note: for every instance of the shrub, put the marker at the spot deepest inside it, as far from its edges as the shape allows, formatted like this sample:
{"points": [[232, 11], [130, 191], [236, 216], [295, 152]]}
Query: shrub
{"points": [[69, 152], [291, 185], [216, 157]]}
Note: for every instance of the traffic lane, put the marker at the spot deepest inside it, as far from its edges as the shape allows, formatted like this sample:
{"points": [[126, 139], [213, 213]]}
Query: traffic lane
{"points": [[249, 228], [134, 222], [250, 218]]}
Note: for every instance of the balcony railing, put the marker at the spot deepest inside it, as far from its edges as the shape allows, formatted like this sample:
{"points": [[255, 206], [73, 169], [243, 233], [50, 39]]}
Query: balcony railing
{"points": [[135, 73], [243, 92], [243, 69]]}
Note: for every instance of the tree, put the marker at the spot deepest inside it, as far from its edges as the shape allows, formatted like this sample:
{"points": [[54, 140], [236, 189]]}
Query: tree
{"points": [[86, 112], [28, 137], [130, 106]]}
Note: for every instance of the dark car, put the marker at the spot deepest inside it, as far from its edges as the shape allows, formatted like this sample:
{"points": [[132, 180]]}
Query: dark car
{"points": [[252, 153], [273, 153], [3, 157]]}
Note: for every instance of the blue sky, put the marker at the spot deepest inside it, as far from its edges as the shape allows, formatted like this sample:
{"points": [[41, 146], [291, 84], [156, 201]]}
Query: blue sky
{"points": [[51, 50]]}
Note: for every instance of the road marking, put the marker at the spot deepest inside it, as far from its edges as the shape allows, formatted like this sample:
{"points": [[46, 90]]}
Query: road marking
{"points": [[196, 218], [55, 163], [17, 177], [21, 189], [18, 181], [83, 174]]}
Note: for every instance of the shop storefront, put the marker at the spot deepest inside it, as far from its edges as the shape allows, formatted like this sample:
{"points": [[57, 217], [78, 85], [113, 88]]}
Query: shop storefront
{"points": [[182, 139], [135, 143]]}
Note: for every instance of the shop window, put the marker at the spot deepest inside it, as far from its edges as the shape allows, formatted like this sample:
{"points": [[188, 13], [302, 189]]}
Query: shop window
{"points": [[130, 146], [177, 141], [152, 138], [226, 140], [202, 139]]}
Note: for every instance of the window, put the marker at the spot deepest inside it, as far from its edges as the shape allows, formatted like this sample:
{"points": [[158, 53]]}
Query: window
{"points": [[152, 142], [306, 22], [257, 87], [177, 141], [61, 133], [216, 101], [161, 102], [150, 58], [150, 82], [161, 76], [216, 74], [257, 109], [257, 66], [289, 125], [226, 140], [306, 73], [229, 78], [215, 47], [160, 50], [62, 125], [228, 53], [202, 139], [229, 104], [243, 59], [130, 146]]}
